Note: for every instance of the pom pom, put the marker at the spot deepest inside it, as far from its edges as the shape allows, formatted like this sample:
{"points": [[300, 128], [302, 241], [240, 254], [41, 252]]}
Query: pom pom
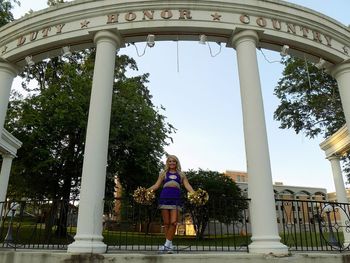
{"points": [[143, 196], [198, 198]]}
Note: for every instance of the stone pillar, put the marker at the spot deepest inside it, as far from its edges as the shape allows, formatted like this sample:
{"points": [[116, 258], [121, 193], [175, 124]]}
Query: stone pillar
{"points": [[7, 73], [341, 193], [341, 73], [89, 229], [265, 237], [338, 179], [4, 177]]}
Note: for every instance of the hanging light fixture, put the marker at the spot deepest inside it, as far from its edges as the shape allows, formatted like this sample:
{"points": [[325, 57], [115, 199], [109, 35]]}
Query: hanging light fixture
{"points": [[320, 64], [202, 39], [29, 60], [284, 50], [66, 51], [149, 43], [150, 40]]}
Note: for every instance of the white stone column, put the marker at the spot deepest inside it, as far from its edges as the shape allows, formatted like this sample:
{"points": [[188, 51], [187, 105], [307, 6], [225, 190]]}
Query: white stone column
{"points": [[341, 73], [89, 229], [4, 177], [265, 237], [341, 193], [7, 73], [338, 179]]}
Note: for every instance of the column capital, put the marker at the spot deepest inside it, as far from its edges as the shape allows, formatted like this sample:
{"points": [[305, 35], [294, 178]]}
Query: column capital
{"points": [[339, 69], [9, 68], [333, 157], [7, 156], [107, 35], [244, 35]]}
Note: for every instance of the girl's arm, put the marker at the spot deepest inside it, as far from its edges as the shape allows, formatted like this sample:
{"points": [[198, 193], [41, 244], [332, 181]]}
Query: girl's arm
{"points": [[158, 183], [187, 184]]}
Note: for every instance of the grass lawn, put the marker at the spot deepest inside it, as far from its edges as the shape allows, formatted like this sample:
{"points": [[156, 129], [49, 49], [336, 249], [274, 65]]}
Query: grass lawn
{"points": [[33, 234]]}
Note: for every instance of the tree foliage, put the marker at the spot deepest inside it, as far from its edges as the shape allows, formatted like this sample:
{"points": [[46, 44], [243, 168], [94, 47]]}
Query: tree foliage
{"points": [[139, 136], [6, 15], [226, 201], [309, 101], [51, 122]]}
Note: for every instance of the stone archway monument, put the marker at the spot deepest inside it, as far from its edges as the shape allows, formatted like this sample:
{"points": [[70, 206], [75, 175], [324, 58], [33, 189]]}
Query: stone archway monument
{"points": [[244, 25]]}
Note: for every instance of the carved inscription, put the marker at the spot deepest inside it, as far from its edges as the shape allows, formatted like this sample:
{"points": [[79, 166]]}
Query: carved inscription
{"points": [[185, 15]]}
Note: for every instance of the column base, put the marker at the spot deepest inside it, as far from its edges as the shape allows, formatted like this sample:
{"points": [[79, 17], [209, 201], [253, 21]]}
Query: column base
{"points": [[268, 246], [87, 244], [346, 237]]}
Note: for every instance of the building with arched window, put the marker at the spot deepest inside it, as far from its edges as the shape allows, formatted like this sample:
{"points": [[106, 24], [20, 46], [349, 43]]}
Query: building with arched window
{"points": [[282, 191]]}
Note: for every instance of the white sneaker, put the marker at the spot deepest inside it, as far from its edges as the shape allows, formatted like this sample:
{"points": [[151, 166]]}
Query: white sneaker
{"points": [[165, 249]]}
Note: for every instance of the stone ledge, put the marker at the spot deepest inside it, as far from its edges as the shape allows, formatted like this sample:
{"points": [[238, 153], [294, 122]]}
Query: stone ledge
{"points": [[63, 257]]}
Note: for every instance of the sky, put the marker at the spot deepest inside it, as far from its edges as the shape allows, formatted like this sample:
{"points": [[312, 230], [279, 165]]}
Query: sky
{"points": [[202, 100]]}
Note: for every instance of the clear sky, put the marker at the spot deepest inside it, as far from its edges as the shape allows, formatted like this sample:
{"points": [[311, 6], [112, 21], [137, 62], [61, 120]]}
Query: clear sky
{"points": [[202, 100]]}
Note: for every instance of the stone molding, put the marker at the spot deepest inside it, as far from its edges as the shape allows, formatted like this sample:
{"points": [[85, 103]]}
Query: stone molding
{"points": [[9, 144], [337, 144], [42, 34]]}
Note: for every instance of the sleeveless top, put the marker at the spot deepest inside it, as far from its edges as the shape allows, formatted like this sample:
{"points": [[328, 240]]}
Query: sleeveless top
{"points": [[172, 180], [170, 196]]}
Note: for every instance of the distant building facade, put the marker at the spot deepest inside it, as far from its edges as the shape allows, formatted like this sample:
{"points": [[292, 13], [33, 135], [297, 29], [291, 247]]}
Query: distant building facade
{"points": [[281, 191], [298, 211], [332, 196]]}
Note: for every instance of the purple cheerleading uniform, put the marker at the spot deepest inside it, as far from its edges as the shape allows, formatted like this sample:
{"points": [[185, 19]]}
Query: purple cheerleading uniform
{"points": [[170, 195]]}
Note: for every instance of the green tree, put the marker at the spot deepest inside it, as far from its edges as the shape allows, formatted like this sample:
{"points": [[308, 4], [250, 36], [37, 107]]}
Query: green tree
{"points": [[309, 101], [51, 122], [139, 136], [6, 15], [226, 201]]}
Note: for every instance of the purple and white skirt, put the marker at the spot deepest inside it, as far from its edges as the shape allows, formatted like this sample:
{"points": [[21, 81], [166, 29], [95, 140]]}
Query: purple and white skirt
{"points": [[170, 198]]}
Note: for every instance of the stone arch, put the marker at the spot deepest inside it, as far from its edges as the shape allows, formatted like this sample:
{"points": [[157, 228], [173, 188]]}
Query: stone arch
{"points": [[42, 34], [288, 191], [303, 195], [319, 196], [286, 194]]}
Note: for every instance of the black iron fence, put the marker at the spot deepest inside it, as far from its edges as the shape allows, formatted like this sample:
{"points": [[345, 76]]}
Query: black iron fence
{"points": [[219, 226], [306, 225], [222, 225], [37, 224]]}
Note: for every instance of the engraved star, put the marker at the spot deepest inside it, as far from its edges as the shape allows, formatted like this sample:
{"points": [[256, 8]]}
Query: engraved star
{"points": [[3, 49], [216, 16], [346, 50], [85, 23]]}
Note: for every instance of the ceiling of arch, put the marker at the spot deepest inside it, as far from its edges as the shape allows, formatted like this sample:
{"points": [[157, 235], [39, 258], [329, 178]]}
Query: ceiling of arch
{"points": [[43, 33]]}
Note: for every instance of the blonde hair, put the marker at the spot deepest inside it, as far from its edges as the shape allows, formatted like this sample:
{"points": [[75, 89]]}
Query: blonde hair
{"points": [[166, 166], [178, 165]]}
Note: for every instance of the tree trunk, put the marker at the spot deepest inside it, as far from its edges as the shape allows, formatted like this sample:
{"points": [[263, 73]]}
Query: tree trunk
{"points": [[61, 231]]}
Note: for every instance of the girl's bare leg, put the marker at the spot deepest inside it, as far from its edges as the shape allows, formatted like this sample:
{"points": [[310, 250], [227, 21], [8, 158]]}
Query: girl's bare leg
{"points": [[166, 220], [173, 217]]}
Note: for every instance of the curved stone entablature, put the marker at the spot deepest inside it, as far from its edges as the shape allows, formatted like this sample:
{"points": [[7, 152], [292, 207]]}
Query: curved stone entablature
{"points": [[338, 144], [42, 34], [9, 144]]}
